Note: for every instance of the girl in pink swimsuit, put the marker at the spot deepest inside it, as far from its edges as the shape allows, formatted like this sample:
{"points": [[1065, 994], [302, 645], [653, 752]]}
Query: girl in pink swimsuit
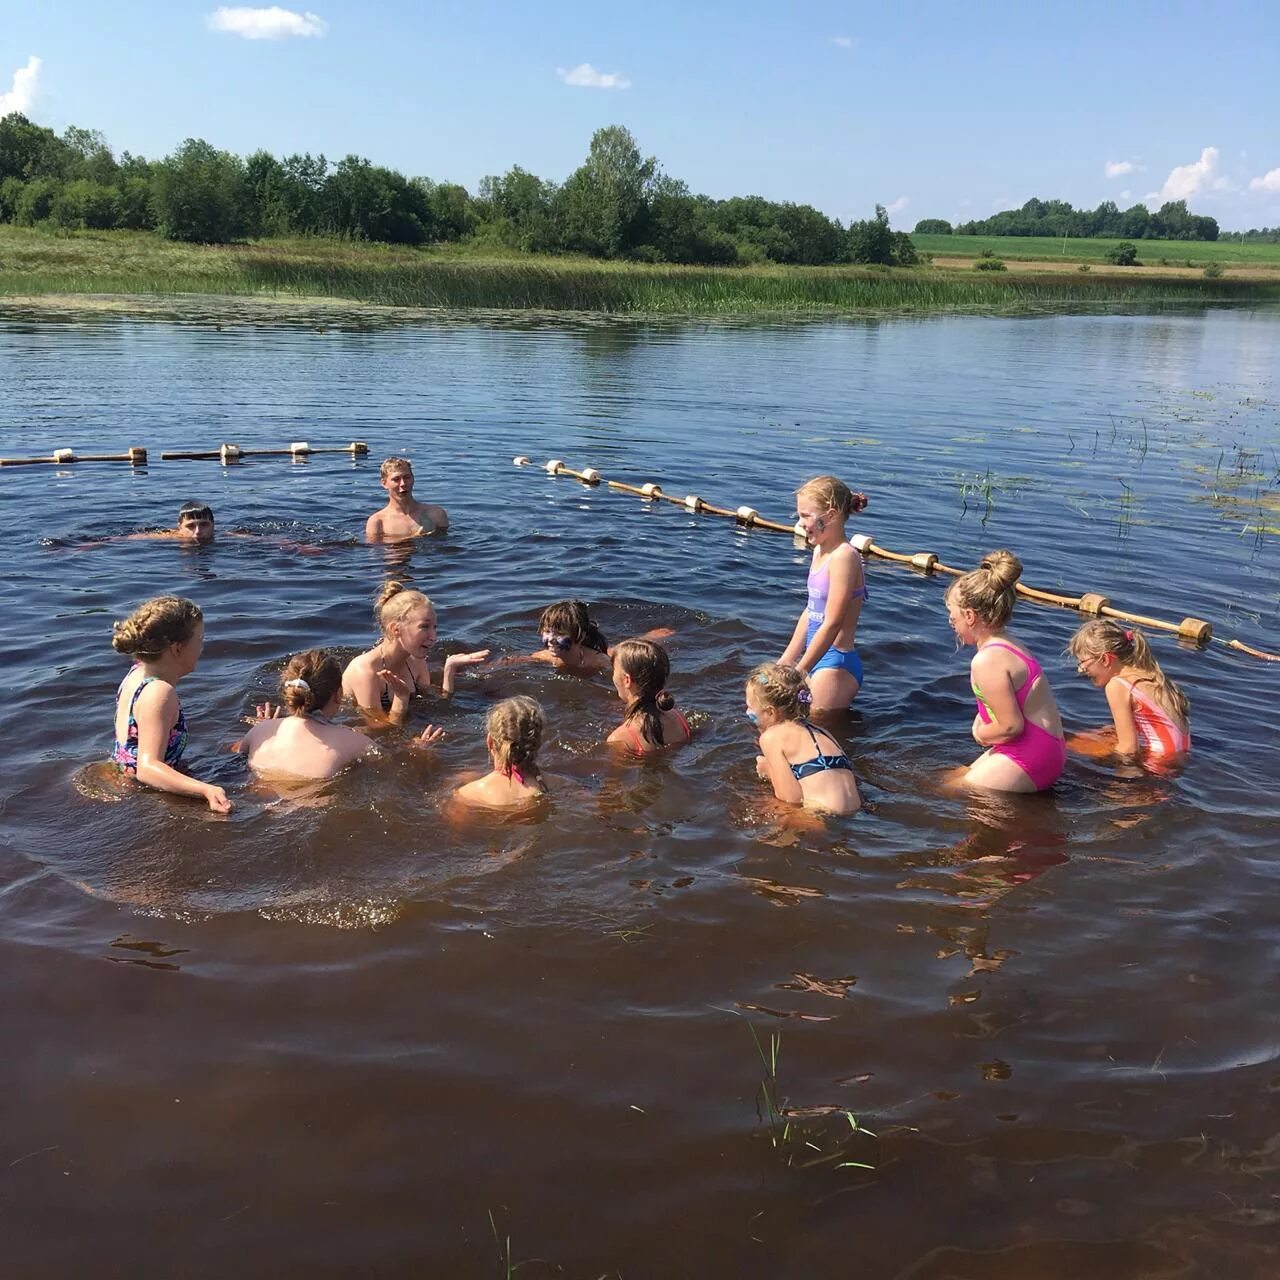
{"points": [[1017, 720], [651, 722], [1150, 712]]}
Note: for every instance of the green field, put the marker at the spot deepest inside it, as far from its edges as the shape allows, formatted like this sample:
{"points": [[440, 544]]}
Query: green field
{"points": [[35, 264], [1045, 248]]}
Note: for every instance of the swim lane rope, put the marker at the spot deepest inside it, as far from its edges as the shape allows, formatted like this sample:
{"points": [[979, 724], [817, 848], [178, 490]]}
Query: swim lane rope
{"points": [[1195, 630]]}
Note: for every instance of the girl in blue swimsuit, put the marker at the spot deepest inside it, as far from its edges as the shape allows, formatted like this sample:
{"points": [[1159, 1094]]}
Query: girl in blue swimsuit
{"points": [[822, 643], [805, 764], [164, 636]]}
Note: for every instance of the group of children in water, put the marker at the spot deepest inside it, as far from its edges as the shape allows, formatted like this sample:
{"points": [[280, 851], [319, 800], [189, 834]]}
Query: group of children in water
{"points": [[819, 672]]}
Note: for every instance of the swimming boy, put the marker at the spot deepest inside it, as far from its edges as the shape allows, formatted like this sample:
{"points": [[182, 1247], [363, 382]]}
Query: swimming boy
{"points": [[402, 517], [195, 524]]}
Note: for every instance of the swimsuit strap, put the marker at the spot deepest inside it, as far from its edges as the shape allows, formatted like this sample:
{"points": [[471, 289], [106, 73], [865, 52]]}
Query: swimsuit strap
{"points": [[1034, 669], [636, 737], [684, 724], [142, 684], [515, 775]]}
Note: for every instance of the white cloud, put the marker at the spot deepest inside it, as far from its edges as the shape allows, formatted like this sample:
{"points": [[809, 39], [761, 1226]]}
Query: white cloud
{"points": [[1124, 195], [1268, 182], [585, 76], [842, 42], [266, 24], [22, 92], [898, 205], [1187, 180], [1118, 168]]}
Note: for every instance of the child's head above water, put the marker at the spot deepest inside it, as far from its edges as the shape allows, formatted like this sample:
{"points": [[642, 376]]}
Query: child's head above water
{"points": [[826, 493], [396, 602], [195, 522], [1103, 648], [310, 682], [155, 625], [393, 467], [783, 689], [989, 589], [514, 728], [640, 671], [568, 623]]}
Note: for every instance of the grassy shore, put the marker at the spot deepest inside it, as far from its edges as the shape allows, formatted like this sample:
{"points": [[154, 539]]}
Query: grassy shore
{"points": [[1175, 253], [35, 265]]}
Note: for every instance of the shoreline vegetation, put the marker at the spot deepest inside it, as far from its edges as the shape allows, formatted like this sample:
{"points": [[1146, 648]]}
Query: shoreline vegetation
{"points": [[46, 270]]}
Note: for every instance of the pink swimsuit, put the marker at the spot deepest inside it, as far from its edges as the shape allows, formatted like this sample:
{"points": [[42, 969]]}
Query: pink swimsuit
{"points": [[1036, 751], [1158, 731]]}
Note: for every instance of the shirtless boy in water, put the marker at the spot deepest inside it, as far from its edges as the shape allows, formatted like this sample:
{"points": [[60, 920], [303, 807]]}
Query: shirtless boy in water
{"points": [[195, 524], [402, 517]]}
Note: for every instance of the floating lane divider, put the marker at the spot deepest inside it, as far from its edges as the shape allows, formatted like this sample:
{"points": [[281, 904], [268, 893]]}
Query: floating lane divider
{"points": [[136, 457], [299, 451], [1195, 630]]}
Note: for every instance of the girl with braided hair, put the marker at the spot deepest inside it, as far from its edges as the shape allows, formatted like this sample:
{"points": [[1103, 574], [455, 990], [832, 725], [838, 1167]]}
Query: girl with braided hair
{"points": [[1150, 712], [305, 742], [797, 758], [1017, 720], [513, 734], [651, 722]]}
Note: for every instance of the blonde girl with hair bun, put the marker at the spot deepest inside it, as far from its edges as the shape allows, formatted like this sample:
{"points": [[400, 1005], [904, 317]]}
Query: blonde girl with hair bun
{"points": [[822, 644], [514, 730], [305, 742], [164, 636], [805, 765], [1150, 713], [1017, 720], [382, 680]]}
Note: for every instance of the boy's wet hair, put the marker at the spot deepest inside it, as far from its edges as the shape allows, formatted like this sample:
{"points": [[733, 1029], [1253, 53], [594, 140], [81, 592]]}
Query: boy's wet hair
{"points": [[391, 465], [195, 511]]}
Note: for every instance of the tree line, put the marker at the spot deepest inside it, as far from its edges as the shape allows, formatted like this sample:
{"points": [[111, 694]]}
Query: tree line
{"points": [[1172, 221], [616, 204]]}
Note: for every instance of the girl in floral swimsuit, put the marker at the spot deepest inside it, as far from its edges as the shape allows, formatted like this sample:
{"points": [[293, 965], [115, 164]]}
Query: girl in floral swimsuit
{"points": [[165, 637]]}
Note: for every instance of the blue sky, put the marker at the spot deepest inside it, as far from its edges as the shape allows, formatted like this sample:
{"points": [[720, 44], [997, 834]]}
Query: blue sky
{"points": [[935, 110]]}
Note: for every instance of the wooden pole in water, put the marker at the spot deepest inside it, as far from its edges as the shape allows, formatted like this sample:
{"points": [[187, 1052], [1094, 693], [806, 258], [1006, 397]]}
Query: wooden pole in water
{"points": [[1195, 630], [136, 457], [300, 450]]}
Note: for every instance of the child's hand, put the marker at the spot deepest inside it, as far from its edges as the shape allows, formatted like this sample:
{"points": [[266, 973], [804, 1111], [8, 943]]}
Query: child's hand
{"points": [[430, 736], [217, 800], [762, 768], [466, 659], [267, 711]]}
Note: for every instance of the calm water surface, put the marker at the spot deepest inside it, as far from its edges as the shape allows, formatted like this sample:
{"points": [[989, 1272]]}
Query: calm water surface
{"points": [[349, 1038]]}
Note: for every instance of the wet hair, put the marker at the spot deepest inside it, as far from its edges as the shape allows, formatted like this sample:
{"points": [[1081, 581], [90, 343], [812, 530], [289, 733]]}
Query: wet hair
{"points": [[154, 625], [309, 682], [829, 493], [396, 602], [570, 618], [1101, 636], [195, 511], [391, 465], [989, 589], [648, 666], [515, 728], [783, 688]]}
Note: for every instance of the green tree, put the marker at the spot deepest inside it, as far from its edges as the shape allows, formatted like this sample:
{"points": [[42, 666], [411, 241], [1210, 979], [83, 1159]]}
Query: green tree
{"points": [[28, 150], [35, 201], [872, 239], [602, 206], [369, 202], [201, 195], [933, 227], [85, 205], [1124, 254]]}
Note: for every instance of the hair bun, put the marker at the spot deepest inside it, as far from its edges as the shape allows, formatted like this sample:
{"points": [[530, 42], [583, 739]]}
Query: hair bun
{"points": [[857, 502], [1004, 567], [664, 701]]}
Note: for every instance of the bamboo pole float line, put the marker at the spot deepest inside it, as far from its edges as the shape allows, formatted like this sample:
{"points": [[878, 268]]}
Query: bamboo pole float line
{"points": [[228, 453], [1195, 630], [136, 457]]}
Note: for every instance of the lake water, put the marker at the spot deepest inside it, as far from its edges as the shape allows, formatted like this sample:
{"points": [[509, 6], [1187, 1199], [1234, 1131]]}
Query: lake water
{"points": [[353, 1039]]}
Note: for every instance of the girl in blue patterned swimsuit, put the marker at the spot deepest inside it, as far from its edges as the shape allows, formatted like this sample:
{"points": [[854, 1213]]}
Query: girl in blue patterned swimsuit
{"points": [[822, 643], [164, 636]]}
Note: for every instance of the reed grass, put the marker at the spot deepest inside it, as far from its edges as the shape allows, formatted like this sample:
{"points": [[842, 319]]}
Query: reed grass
{"points": [[34, 263], [1077, 249]]}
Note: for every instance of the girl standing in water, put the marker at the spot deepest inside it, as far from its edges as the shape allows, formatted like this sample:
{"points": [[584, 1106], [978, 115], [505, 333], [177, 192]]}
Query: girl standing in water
{"points": [[382, 680], [651, 722], [513, 734], [306, 743], [1151, 714], [821, 646], [1017, 718], [164, 636], [804, 764]]}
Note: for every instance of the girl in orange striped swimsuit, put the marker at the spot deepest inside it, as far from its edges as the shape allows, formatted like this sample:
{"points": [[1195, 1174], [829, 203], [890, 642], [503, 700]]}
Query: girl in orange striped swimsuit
{"points": [[1151, 713]]}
